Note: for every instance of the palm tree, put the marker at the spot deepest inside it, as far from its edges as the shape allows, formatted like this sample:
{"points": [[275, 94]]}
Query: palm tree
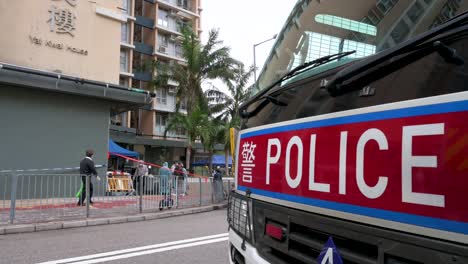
{"points": [[227, 104], [212, 134], [203, 62], [194, 124]]}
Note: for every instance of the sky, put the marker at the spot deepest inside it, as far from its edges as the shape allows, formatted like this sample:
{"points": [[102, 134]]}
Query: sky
{"points": [[243, 23]]}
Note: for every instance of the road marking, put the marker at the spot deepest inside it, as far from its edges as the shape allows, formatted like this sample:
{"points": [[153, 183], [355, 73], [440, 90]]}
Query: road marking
{"points": [[147, 252], [127, 253]]}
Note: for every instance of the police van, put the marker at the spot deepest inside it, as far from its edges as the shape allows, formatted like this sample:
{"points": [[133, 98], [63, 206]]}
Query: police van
{"points": [[354, 148]]}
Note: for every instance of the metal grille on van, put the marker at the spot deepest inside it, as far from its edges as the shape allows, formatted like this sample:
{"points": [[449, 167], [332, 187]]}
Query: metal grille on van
{"points": [[305, 234]]}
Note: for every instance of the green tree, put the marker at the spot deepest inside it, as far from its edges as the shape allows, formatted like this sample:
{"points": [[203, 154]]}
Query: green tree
{"points": [[194, 124], [203, 62], [212, 134], [227, 105]]}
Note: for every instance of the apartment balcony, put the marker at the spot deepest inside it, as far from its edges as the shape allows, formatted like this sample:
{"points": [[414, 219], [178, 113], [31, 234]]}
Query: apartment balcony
{"points": [[122, 129], [172, 27], [142, 76], [143, 48], [170, 52], [159, 131], [187, 11], [145, 22]]}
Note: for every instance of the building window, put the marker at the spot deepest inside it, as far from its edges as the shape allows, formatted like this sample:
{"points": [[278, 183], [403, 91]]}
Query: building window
{"points": [[183, 3], [448, 11], [179, 51], [400, 32], [161, 96], [386, 5], [181, 24], [362, 49], [123, 61], [181, 131], [415, 12], [126, 6], [163, 18], [163, 40], [124, 33], [345, 23], [161, 119], [123, 81], [183, 105]]}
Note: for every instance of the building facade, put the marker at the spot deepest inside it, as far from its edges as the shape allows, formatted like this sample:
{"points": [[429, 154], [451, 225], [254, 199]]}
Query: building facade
{"points": [[154, 33], [59, 76]]}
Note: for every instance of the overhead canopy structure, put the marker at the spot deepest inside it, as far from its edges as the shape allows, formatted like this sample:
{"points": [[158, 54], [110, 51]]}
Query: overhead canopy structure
{"points": [[218, 160], [114, 148]]}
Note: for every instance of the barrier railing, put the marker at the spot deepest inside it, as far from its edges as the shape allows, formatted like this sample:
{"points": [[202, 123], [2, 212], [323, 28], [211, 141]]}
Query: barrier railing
{"points": [[32, 198]]}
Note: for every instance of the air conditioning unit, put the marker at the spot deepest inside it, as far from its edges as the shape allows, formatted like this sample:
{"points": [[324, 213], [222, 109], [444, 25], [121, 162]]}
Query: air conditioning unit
{"points": [[172, 90], [162, 49]]}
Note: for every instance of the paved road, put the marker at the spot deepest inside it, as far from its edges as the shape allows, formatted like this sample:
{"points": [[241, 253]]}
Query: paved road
{"points": [[198, 238]]}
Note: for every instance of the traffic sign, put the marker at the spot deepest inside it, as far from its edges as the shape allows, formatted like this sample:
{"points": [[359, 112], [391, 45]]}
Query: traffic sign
{"points": [[329, 254]]}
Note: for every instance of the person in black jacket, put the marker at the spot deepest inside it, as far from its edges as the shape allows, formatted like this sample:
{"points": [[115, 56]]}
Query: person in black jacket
{"points": [[87, 169]]}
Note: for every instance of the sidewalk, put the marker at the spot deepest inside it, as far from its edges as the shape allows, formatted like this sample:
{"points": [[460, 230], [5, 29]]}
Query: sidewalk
{"points": [[28, 228], [63, 209]]}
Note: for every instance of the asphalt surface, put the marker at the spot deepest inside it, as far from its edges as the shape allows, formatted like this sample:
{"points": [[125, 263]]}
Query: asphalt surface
{"points": [[207, 232]]}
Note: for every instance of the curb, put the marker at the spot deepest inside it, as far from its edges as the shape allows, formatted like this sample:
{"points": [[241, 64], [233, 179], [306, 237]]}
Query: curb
{"points": [[30, 228]]}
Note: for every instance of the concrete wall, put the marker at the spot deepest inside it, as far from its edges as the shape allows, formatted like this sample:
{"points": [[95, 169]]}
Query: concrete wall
{"points": [[94, 42], [49, 130]]}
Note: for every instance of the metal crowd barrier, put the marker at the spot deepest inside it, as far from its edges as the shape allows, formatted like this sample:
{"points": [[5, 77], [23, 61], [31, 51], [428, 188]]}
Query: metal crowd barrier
{"points": [[31, 198]]}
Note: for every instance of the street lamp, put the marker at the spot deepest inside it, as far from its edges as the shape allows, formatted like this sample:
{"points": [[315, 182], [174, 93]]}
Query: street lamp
{"points": [[254, 46]]}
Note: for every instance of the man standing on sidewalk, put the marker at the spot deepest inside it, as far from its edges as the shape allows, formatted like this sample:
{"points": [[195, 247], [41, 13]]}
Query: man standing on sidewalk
{"points": [[140, 172], [87, 169]]}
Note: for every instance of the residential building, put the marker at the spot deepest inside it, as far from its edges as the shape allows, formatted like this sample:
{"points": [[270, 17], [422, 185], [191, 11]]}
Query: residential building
{"points": [[155, 34], [59, 74]]}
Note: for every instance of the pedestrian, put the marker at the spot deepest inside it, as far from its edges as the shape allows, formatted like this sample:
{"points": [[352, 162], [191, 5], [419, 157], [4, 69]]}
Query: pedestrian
{"points": [[164, 184], [218, 184], [185, 177], [87, 169], [140, 172], [173, 177]]}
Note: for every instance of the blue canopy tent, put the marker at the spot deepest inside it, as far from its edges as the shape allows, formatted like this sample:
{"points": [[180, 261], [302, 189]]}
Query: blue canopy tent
{"points": [[218, 160], [114, 148]]}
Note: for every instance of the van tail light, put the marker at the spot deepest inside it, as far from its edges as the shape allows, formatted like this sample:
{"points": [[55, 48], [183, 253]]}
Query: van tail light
{"points": [[275, 231]]}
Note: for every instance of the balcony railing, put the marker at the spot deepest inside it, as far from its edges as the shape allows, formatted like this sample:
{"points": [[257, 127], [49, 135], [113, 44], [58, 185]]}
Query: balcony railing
{"points": [[179, 3], [143, 48], [171, 51], [142, 76], [144, 22], [170, 134]]}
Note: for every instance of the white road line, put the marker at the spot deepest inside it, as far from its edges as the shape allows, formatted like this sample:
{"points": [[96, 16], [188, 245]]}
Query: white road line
{"points": [[130, 250], [147, 252]]}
